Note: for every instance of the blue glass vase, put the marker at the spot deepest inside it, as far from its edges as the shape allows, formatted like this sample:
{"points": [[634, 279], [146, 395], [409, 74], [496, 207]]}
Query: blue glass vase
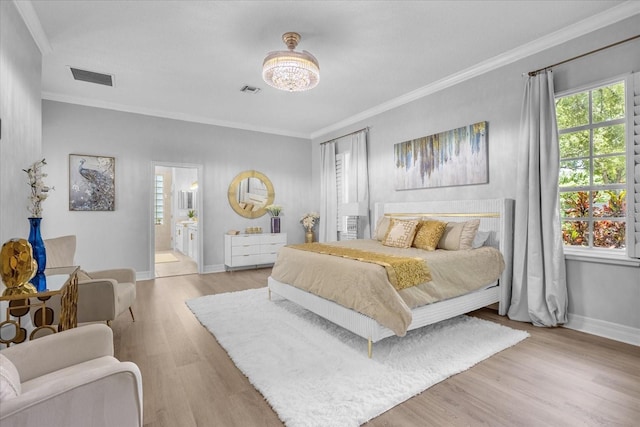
{"points": [[39, 254]]}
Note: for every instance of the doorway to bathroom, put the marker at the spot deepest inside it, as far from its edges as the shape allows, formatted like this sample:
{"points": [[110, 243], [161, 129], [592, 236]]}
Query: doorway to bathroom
{"points": [[177, 223]]}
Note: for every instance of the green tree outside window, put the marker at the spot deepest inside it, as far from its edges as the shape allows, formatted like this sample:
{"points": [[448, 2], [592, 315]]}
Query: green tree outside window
{"points": [[592, 178]]}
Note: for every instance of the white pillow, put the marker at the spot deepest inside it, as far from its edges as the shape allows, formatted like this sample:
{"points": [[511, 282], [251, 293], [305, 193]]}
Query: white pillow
{"points": [[9, 379], [481, 237], [400, 233], [382, 227]]}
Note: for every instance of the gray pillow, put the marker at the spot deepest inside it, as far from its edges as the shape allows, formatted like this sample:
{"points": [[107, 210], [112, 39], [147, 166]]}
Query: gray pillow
{"points": [[459, 235]]}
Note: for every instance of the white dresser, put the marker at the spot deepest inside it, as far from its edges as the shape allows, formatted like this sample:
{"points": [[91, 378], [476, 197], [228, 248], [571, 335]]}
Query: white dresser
{"points": [[251, 250]]}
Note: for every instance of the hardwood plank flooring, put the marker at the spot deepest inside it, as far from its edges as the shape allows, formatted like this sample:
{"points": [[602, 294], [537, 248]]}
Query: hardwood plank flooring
{"points": [[183, 265], [556, 377]]}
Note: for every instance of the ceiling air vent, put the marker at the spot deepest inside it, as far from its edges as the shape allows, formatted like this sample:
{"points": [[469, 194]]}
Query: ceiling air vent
{"points": [[92, 77], [250, 89]]}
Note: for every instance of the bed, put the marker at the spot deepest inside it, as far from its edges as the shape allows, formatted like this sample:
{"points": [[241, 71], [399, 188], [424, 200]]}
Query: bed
{"points": [[495, 218]]}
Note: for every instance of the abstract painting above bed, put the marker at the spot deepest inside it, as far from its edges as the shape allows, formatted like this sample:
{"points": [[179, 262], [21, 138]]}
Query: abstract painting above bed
{"points": [[454, 157]]}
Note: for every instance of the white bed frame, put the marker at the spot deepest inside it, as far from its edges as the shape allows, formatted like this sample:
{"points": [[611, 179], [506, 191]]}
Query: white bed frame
{"points": [[496, 216]]}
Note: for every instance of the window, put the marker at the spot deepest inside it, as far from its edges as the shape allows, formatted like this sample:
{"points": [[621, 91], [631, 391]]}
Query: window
{"points": [[592, 127], [159, 200], [347, 225]]}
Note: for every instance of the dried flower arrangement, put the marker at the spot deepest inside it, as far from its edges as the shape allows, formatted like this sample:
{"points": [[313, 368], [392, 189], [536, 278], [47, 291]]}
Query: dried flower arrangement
{"points": [[39, 191], [309, 220]]}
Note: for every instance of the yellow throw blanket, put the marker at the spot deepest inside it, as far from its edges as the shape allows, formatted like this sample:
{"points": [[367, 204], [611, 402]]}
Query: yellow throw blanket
{"points": [[403, 272]]}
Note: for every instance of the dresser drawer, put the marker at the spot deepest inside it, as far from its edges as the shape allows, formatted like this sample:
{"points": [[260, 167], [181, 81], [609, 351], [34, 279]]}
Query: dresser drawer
{"points": [[245, 260], [245, 250], [244, 240], [274, 238], [250, 250], [271, 248], [268, 258]]}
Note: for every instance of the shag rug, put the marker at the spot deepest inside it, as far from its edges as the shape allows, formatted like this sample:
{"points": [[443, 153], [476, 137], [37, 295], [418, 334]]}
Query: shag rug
{"points": [[162, 258], [314, 373]]}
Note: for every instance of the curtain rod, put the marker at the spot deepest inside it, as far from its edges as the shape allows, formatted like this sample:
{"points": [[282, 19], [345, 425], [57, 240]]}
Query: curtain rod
{"points": [[533, 73], [351, 133]]}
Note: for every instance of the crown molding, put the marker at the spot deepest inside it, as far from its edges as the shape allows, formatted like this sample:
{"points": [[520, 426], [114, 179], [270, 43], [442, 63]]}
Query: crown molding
{"points": [[51, 96], [31, 20], [610, 16], [615, 14]]}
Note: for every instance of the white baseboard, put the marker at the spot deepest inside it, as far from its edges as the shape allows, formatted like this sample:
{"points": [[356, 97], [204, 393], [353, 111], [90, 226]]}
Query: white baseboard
{"points": [[216, 268], [143, 275], [604, 329]]}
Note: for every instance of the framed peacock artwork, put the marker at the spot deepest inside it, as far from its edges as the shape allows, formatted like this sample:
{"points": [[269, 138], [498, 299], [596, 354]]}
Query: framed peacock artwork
{"points": [[92, 183]]}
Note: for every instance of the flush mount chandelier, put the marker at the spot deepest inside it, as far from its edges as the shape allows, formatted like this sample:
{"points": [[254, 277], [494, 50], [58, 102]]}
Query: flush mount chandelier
{"points": [[290, 70]]}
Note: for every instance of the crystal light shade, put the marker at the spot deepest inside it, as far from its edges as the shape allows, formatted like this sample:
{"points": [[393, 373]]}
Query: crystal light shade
{"points": [[290, 70]]}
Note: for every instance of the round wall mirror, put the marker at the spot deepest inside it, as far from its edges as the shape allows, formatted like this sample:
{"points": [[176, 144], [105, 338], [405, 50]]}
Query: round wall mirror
{"points": [[249, 193]]}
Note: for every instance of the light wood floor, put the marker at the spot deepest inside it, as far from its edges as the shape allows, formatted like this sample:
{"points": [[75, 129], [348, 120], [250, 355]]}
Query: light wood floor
{"points": [[557, 377], [183, 265]]}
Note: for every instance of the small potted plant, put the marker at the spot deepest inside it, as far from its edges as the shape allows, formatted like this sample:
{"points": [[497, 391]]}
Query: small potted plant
{"points": [[275, 211], [191, 214]]}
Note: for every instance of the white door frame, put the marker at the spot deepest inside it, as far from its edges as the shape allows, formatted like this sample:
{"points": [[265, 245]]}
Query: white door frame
{"points": [[199, 207]]}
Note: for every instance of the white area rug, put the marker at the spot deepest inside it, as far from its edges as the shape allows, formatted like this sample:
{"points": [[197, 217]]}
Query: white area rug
{"points": [[162, 258], [314, 373]]}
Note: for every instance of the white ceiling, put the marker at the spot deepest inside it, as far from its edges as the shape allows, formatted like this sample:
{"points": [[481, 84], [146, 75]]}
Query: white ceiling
{"points": [[189, 59]]}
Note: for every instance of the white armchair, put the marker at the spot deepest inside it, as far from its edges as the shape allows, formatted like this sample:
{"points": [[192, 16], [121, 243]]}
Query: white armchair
{"points": [[102, 295], [70, 379]]}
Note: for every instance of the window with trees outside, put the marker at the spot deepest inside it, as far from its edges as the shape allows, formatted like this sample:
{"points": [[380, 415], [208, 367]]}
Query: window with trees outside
{"points": [[593, 167]]}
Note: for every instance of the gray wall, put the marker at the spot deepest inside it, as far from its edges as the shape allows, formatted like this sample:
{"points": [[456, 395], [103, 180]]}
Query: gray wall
{"points": [[20, 111], [597, 291], [609, 293], [122, 238]]}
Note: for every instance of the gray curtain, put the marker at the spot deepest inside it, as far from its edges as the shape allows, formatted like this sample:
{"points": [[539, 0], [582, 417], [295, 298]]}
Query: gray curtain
{"points": [[359, 178], [328, 195], [539, 293]]}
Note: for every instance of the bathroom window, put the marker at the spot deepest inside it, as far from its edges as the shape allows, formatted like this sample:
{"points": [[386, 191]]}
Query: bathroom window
{"points": [[159, 200]]}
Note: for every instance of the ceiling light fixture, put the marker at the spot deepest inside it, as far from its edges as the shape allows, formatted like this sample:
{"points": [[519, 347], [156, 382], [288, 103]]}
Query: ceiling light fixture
{"points": [[290, 70]]}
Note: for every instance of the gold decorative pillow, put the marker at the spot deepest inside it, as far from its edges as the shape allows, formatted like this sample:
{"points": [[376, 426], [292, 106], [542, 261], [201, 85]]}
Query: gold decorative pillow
{"points": [[459, 235], [382, 227], [400, 233], [428, 234]]}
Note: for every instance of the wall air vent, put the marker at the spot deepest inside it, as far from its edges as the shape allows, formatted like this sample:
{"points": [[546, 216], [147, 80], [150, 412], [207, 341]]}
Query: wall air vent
{"points": [[92, 77], [250, 89]]}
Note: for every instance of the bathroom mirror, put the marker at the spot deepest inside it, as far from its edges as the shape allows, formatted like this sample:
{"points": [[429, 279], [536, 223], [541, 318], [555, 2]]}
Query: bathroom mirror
{"points": [[186, 199], [249, 193]]}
